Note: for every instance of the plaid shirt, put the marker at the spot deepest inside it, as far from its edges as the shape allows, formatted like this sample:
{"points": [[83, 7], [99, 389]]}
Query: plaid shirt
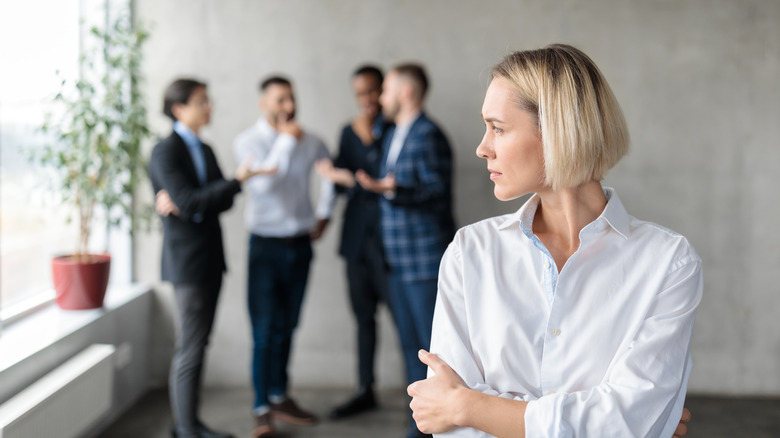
{"points": [[417, 223]]}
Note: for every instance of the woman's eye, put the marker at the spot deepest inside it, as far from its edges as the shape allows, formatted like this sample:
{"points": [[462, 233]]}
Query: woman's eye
{"points": [[497, 130]]}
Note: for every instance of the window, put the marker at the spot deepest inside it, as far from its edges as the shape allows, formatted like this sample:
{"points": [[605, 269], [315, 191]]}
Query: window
{"points": [[37, 40]]}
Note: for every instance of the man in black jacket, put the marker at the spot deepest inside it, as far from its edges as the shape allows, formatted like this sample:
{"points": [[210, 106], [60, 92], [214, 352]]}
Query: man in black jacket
{"points": [[360, 149], [190, 194]]}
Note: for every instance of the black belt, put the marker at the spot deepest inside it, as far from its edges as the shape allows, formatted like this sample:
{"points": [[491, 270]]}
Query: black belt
{"points": [[293, 240]]}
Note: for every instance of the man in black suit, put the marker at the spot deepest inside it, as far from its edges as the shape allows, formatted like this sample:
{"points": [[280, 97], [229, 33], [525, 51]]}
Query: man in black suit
{"points": [[191, 193], [360, 148]]}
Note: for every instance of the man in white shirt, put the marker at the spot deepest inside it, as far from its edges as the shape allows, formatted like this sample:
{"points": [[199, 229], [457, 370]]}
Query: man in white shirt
{"points": [[282, 224]]}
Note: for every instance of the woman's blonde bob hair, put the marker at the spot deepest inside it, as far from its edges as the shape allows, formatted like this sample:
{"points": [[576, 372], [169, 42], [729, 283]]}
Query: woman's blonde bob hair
{"points": [[582, 127]]}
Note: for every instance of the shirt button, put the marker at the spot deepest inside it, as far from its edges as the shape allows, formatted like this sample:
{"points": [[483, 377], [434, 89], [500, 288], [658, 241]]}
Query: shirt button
{"points": [[555, 332], [546, 265]]}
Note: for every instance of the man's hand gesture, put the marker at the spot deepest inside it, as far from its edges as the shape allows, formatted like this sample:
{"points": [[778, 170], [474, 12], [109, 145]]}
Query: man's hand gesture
{"points": [[336, 175], [245, 171], [381, 186]]}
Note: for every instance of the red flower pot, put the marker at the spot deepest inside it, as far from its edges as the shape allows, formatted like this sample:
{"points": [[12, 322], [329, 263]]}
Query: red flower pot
{"points": [[81, 281]]}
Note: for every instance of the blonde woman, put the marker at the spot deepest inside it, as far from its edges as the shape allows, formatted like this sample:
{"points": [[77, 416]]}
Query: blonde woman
{"points": [[570, 317]]}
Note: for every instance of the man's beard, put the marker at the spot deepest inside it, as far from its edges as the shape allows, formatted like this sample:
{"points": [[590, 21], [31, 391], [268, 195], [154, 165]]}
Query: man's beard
{"points": [[390, 113], [278, 116]]}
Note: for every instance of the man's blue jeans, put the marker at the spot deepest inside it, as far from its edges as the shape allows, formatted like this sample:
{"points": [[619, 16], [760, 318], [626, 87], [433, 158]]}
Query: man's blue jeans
{"points": [[412, 304], [278, 271]]}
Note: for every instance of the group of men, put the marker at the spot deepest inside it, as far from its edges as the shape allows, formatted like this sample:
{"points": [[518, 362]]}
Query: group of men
{"points": [[394, 166]]}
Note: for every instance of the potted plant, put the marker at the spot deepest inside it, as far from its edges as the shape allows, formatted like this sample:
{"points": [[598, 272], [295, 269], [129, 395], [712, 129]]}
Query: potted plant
{"points": [[96, 126]]}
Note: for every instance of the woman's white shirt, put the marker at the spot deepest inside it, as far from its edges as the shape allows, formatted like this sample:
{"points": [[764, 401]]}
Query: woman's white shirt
{"points": [[601, 349]]}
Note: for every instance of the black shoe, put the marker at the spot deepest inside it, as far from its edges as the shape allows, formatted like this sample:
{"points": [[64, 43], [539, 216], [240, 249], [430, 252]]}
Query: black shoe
{"points": [[204, 432], [362, 401]]}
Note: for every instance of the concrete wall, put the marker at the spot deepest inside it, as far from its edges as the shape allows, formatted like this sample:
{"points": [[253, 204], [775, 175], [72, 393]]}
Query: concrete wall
{"points": [[698, 81]]}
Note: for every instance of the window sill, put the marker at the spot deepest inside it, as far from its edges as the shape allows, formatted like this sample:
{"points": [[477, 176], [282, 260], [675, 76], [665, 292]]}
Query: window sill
{"points": [[27, 307], [43, 328]]}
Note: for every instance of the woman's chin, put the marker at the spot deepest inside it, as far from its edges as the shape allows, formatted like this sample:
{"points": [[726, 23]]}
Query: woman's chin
{"points": [[502, 195], [507, 195]]}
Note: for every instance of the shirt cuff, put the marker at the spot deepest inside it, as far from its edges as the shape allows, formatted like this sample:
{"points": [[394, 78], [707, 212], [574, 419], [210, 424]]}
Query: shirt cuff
{"points": [[543, 417]]}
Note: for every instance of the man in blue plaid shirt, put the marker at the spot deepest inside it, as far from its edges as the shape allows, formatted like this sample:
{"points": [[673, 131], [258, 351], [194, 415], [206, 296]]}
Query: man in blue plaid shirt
{"points": [[416, 210]]}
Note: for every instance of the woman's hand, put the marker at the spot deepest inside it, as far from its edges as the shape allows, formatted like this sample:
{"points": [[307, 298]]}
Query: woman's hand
{"points": [[336, 175], [437, 401], [381, 186], [682, 428]]}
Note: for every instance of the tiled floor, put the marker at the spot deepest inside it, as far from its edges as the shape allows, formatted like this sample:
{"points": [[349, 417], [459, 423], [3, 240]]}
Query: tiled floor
{"points": [[228, 410]]}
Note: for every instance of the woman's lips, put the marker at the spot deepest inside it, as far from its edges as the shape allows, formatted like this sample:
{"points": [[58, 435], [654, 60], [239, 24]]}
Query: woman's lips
{"points": [[494, 174]]}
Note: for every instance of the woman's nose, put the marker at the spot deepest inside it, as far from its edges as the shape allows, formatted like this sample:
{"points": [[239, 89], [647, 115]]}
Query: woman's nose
{"points": [[483, 149]]}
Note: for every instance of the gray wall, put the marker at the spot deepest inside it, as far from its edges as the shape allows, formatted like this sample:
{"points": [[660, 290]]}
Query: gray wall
{"points": [[698, 81]]}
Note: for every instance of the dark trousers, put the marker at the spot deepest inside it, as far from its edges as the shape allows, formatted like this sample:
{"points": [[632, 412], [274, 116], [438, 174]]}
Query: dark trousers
{"points": [[278, 271], [413, 303], [367, 278], [195, 305]]}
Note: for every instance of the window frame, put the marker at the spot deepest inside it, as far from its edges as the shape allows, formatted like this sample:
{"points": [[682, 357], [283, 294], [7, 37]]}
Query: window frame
{"points": [[116, 240]]}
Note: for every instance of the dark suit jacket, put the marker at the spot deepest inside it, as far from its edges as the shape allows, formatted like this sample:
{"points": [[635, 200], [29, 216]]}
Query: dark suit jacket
{"points": [[361, 216], [417, 224], [192, 251]]}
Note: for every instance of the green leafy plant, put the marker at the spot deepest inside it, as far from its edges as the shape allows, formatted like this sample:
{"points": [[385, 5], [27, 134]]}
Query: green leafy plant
{"points": [[97, 125]]}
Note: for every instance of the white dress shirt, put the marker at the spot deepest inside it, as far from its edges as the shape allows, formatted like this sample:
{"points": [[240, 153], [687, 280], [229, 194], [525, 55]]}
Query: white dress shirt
{"points": [[279, 205], [600, 350], [400, 132]]}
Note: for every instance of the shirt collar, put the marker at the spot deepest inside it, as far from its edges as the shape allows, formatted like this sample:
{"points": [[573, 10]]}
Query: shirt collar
{"points": [[401, 131], [265, 128], [186, 134], [524, 217], [614, 214]]}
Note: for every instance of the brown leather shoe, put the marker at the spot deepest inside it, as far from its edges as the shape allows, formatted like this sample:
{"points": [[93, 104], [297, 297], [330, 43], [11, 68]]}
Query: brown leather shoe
{"points": [[289, 412], [263, 426]]}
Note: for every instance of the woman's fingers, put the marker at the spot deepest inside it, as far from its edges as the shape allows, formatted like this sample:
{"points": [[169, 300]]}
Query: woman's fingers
{"points": [[431, 360], [682, 428], [411, 390]]}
